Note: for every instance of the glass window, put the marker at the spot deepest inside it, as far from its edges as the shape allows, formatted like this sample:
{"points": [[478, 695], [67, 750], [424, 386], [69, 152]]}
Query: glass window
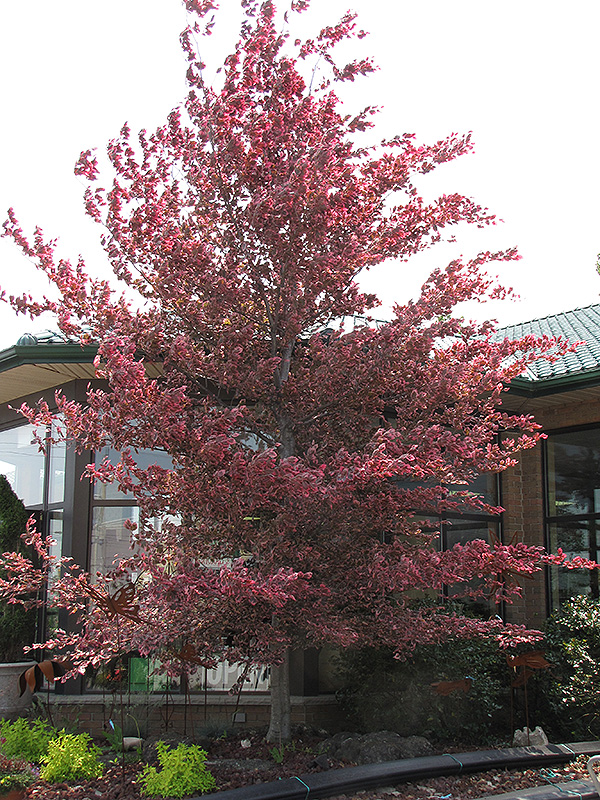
{"points": [[55, 531], [56, 468], [576, 538], [486, 485], [224, 676], [573, 509], [132, 673], [461, 531], [144, 459], [110, 538], [573, 473], [23, 464]]}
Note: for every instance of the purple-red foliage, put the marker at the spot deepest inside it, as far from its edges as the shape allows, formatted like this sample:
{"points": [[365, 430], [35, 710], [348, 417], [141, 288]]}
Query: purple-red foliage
{"points": [[242, 224]]}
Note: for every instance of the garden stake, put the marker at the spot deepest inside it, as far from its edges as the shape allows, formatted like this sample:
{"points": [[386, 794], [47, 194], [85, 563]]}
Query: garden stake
{"points": [[34, 677], [528, 663], [241, 680], [118, 604]]}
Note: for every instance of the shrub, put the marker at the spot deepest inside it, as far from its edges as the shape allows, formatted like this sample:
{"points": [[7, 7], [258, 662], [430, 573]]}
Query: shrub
{"points": [[182, 772], [71, 757], [25, 740], [17, 624], [381, 693], [14, 774], [567, 700]]}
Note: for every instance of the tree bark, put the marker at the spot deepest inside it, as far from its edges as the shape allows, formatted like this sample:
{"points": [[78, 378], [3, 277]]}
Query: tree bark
{"points": [[281, 706], [280, 729]]}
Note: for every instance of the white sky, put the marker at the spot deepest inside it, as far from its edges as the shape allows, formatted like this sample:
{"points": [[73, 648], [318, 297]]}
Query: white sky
{"points": [[522, 75]]}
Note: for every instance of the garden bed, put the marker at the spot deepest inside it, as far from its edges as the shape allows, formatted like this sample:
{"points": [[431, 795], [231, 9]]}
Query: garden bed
{"points": [[234, 765]]}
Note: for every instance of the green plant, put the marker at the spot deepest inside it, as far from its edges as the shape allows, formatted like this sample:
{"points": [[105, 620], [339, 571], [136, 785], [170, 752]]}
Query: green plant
{"points": [[17, 624], [14, 774], [115, 734], [114, 737], [277, 754], [71, 757], [566, 698], [25, 739], [380, 692], [182, 772]]}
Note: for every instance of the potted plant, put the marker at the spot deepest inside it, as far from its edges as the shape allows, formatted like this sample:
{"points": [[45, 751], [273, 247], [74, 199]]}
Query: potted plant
{"points": [[17, 624]]}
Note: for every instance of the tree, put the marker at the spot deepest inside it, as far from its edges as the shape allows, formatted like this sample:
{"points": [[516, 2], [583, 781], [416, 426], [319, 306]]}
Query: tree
{"points": [[17, 624], [301, 452]]}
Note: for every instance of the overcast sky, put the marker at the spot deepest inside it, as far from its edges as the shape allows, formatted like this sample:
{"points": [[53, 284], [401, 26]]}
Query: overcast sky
{"points": [[522, 75]]}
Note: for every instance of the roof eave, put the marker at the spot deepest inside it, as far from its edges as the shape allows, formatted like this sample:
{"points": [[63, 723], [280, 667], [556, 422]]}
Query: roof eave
{"points": [[66, 353], [522, 387]]}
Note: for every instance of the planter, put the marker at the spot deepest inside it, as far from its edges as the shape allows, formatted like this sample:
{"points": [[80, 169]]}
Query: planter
{"points": [[11, 705]]}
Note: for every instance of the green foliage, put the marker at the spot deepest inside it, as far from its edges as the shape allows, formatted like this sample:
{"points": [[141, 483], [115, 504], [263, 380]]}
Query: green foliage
{"points": [[14, 774], [182, 772], [382, 693], [71, 757], [13, 518], [24, 739], [567, 702], [114, 737], [17, 625], [115, 734], [277, 754], [17, 630]]}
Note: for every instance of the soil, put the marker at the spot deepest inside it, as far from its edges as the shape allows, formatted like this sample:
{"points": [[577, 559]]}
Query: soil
{"points": [[234, 765]]}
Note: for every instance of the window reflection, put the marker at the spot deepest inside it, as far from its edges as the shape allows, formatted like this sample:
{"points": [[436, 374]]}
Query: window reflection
{"points": [[576, 538], [23, 464], [573, 509], [573, 472], [56, 469], [144, 459], [55, 531], [110, 538]]}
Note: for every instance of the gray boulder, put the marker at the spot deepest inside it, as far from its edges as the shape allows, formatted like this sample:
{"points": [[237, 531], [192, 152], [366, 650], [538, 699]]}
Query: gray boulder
{"points": [[375, 748]]}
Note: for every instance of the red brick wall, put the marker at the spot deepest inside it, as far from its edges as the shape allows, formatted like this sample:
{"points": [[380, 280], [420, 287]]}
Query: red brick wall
{"points": [[91, 713]]}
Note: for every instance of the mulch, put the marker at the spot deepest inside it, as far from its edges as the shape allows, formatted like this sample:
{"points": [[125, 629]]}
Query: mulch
{"points": [[234, 766]]}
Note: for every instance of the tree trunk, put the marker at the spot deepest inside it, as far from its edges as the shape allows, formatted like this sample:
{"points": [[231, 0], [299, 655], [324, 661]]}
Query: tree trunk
{"points": [[281, 706], [280, 725]]}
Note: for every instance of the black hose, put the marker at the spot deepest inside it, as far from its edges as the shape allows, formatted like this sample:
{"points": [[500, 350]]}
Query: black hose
{"points": [[389, 773]]}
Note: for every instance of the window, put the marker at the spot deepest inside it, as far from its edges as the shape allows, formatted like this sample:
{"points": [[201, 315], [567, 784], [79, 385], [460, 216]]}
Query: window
{"points": [[37, 478], [572, 477], [460, 528], [110, 538]]}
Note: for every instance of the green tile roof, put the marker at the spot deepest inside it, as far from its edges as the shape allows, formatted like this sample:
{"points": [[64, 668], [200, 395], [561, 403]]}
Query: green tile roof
{"points": [[580, 325]]}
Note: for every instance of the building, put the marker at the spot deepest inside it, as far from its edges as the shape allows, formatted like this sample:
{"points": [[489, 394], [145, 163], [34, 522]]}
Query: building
{"points": [[551, 497]]}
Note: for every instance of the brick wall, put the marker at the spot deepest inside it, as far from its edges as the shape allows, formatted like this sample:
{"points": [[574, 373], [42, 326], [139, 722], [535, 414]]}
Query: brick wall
{"points": [[153, 716]]}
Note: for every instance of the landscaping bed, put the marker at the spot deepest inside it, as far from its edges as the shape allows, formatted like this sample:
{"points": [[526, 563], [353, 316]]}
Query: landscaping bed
{"points": [[235, 763]]}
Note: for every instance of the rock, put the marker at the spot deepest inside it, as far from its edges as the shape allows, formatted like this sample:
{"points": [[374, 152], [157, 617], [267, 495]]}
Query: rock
{"points": [[536, 737], [349, 749], [320, 761], [374, 748], [415, 747], [131, 743], [330, 745]]}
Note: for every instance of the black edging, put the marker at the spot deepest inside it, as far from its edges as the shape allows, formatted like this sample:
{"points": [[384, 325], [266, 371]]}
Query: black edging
{"points": [[370, 776]]}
